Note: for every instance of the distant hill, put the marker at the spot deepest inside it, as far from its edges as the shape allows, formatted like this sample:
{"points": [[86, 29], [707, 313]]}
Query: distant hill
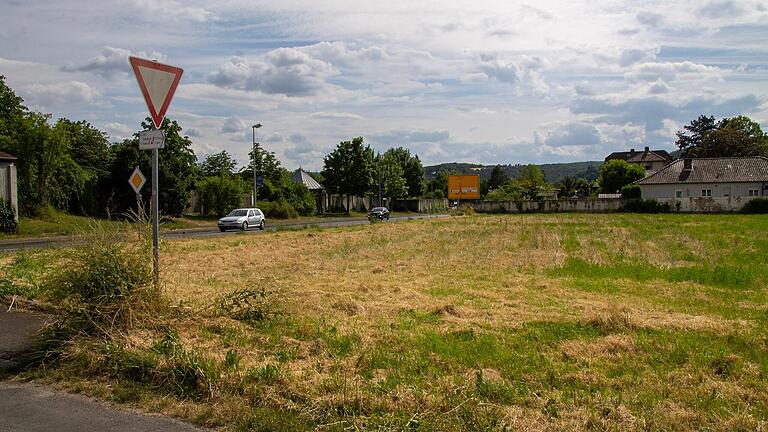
{"points": [[553, 172]]}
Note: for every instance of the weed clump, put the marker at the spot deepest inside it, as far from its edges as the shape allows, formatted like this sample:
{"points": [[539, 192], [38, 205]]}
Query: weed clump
{"points": [[247, 304], [614, 321]]}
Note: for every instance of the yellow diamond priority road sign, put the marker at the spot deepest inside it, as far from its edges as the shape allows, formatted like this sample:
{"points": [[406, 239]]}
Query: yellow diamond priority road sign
{"points": [[137, 180]]}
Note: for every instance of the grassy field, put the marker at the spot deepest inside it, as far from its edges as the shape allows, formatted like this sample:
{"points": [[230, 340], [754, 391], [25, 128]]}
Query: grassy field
{"points": [[525, 322]]}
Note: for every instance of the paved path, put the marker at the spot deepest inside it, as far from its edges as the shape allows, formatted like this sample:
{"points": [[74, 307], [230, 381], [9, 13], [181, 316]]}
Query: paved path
{"points": [[11, 245], [28, 407]]}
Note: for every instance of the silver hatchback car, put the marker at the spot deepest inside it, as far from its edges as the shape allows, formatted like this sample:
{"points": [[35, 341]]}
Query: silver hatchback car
{"points": [[243, 219]]}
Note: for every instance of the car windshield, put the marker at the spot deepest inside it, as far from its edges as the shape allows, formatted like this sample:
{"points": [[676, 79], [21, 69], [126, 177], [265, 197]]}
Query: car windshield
{"points": [[238, 213], [378, 209]]}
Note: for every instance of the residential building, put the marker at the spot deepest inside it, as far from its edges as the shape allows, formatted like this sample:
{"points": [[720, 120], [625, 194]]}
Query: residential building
{"points": [[708, 184], [651, 160]]}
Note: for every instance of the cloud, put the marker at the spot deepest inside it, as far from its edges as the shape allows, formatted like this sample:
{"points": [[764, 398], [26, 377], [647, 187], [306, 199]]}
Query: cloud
{"points": [[650, 19], [330, 115], [571, 134], [673, 71], [234, 125], [111, 62], [118, 130], [194, 132], [303, 153], [631, 56], [659, 87], [172, 10], [721, 9], [72, 92], [283, 71]]}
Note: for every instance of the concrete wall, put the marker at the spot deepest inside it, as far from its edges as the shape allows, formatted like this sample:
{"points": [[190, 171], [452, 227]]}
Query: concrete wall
{"points": [[420, 205], [707, 205], [566, 205], [8, 188]]}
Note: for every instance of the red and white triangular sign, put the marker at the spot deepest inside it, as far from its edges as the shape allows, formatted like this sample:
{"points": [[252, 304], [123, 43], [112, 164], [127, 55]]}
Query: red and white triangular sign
{"points": [[158, 83]]}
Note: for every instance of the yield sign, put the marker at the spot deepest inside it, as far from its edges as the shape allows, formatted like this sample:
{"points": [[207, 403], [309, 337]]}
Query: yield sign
{"points": [[157, 82], [137, 180]]}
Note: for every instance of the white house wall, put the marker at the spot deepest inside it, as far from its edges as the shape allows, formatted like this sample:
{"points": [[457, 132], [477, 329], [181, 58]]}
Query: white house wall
{"points": [[725, 196]]}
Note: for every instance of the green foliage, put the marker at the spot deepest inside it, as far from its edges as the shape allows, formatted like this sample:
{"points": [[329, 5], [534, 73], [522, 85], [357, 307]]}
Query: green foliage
{"points": [[220, 194], [615, 174], [349, 169], [729, 137], [7, 218], [218, 164], [631, 191], [498, 177], [105, 284], [412, 171], [552, 172], [645, 206], [531, 181], [570, 187], [248, 304], [280, 209], [756, 206], [390, 175], [511, 191], [299, 197]]}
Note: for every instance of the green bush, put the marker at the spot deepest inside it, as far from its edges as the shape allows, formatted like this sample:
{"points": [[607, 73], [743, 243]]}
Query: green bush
{"points": [[7, 218], [631, 192], [756, 206], [280, 209], [645, 206], [221, 194]]}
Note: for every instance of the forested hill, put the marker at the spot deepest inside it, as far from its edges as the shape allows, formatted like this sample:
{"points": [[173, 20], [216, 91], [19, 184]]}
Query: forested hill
{"points": [[553, 172]]}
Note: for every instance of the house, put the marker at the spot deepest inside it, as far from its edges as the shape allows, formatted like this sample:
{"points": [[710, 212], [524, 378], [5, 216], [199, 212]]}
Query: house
{"points": [[302, 177], [8, 191], [708, 184], [651, 160]]}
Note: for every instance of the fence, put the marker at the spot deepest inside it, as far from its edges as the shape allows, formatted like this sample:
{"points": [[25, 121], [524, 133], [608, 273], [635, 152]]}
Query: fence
{"points": [[420, 205]]}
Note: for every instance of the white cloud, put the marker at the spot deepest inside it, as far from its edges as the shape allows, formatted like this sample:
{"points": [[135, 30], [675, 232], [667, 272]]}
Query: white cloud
{"points": [[111, 62], [49, 95], [234, 125]]}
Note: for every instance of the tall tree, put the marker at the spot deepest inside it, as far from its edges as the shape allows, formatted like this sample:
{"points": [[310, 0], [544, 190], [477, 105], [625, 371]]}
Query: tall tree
{"points": [[390, 175], [217, 164], [266, 163], [694, 133], [413, 170], [498, 177], [349, 169], [737, 136], [615, 174], [532, 180]]}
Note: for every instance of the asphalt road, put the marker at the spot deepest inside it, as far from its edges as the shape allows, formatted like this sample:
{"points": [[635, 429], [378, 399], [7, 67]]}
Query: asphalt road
{"points": [[44, 242], [26, 407]]}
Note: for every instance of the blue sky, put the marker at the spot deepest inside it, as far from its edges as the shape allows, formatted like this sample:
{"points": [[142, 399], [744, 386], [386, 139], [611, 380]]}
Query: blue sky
{"points": [[482, 81]]}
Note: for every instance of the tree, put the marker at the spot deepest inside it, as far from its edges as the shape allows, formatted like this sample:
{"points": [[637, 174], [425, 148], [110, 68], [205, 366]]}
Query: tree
{"points": [[498, 177], [737, 136], [531, 180], [615, 174], [89, 149], [178, 172], [390, 175], [266, 163], [696, 131], [217, 164], [413, 171], [221, 193], [349, 169], [570, 187]]}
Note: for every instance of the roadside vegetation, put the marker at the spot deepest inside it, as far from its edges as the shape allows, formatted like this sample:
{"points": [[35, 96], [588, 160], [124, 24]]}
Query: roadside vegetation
{"points": [[534, 322]]}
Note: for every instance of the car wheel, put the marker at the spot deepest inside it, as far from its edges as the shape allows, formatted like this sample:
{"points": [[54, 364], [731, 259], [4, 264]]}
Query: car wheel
{"points": [[387, 217], [262, 225], [245, 226], [222, 229]]}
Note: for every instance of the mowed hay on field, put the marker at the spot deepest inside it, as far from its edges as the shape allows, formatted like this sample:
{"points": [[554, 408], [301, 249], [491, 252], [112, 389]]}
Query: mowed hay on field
{"points": [[531, 322]]}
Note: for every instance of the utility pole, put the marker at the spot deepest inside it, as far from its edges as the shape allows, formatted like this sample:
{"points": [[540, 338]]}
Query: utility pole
{"points": [[253, 165]]}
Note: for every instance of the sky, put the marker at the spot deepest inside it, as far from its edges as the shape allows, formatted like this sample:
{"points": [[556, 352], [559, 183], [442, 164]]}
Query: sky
{"points": [[482, 81]]}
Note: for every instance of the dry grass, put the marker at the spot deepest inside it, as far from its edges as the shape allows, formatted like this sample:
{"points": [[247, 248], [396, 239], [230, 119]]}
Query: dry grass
{"points": [[532, 322]]}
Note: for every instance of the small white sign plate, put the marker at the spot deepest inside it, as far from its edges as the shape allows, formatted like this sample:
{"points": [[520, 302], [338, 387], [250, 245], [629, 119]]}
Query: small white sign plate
{"points": [[151, 139], [137, 180]]}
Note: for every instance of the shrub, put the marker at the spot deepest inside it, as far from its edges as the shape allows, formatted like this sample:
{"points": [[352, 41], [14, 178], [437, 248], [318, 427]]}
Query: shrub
{"points": [[280, 209], [631, 191], [7, 218], [221, 194], [756, 206], [645, 206]]}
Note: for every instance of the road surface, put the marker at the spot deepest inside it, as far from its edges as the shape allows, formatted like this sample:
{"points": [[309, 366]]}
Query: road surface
{"points": [[11, 245]]}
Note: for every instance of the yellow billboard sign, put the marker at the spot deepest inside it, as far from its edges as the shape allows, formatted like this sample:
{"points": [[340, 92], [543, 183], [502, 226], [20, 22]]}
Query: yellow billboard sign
{"points": [[464, 187]]}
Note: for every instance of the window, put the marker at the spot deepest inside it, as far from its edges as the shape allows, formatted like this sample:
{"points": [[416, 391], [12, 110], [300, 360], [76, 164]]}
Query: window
{"points": [[678, 193], [706, 192], [754, 192], [250, 213]]}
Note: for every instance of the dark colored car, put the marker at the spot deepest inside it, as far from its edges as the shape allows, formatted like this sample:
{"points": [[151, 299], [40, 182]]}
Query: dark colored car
{"points": [[380, 213]]}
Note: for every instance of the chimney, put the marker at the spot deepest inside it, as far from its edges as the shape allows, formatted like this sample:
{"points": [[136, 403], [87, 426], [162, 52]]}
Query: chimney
{"points": [[631, 152], [647, 149], [687, 164]]}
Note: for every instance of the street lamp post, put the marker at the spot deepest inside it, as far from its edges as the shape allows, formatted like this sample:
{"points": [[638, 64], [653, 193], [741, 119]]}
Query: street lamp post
{"points": [[253, 164]]}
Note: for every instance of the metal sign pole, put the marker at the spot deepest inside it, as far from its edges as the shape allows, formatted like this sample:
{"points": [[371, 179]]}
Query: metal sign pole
{"points": [[155, 218]]}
